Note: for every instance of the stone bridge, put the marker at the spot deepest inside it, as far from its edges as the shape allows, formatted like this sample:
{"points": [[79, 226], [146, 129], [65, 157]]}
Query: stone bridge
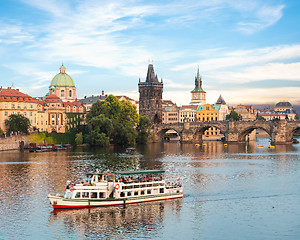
{"points": [[280, 132]]}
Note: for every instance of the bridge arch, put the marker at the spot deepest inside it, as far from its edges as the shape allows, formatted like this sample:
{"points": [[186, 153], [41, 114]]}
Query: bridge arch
{"points": [[291, 133], [247, 131], [199, 132], [161, 133]]}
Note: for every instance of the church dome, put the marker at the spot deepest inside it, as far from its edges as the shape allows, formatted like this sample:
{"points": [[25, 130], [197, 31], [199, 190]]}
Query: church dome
{"points": [[62, 79], [283, 104]]}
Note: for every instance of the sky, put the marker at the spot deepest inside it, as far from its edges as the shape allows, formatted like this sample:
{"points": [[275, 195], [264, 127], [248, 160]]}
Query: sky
{"points": [[247, 51]]}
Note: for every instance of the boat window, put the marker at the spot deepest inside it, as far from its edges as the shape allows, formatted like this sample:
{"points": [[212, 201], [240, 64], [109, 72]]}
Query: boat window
{"points": [[148, 191], [122, 194], [136, 193], [129, 194], [161, 190], [101, 195], [77, 195], [142, 192], [149, 185], [85, 194], [93, 194], [143, 186], [155, 184], [136, 186]]}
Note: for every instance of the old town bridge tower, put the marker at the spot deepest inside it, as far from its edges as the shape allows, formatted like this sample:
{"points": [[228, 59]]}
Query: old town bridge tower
{"points": [[150, 102]]}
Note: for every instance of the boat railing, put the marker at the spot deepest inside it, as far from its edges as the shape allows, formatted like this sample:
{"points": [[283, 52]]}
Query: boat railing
{"points": [[142, 184]]}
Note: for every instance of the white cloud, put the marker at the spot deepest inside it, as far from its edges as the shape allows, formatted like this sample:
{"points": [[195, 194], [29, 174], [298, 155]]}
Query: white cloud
{"points": [[271, 71]]}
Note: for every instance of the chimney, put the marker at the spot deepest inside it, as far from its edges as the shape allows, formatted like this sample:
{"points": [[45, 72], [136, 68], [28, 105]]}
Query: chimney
{"points": [[102, 93]]}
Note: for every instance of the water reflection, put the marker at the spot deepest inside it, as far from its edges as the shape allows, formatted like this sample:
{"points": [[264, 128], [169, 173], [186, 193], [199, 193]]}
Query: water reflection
{"points": [[111, 222], [235, 184]]}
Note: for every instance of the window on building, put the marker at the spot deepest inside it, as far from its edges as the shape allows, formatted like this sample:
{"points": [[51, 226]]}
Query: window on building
{"points": [[62, 93], [6, 106], [19, 106], [25, 113], [31, 114], [70, 93], [13, 106], [6, 113]]}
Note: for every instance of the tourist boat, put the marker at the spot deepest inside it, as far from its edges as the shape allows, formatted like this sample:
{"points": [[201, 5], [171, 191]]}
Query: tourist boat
{"points": [[131, 151], [117, 188]]}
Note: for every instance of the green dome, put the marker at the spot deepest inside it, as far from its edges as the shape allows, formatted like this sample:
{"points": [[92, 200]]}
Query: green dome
{"points": [[62, 79]]}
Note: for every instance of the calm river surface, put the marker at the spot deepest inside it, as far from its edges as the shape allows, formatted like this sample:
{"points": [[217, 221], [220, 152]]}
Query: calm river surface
{"points": [[234, 192]]}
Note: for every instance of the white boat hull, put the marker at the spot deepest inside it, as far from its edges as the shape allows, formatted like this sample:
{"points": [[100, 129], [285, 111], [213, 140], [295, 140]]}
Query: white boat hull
{"points": [[60, 202]]}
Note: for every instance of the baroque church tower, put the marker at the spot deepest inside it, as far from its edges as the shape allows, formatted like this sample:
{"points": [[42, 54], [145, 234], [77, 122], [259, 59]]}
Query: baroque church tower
{"points": [[150, 101], [198, 95]]}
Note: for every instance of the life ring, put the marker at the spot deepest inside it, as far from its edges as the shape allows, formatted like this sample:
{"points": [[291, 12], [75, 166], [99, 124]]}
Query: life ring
{"points": [[117, 186], [72, 188]]}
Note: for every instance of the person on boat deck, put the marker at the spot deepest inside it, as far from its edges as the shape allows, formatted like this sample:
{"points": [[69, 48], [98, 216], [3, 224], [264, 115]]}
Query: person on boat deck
{"points": [[86, 183], [68, 183], [81, 181]]}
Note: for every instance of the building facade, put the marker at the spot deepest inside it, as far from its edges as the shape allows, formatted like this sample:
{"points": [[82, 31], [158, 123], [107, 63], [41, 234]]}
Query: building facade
{"points": [[188, 113], [49, 113], [150, 100]]}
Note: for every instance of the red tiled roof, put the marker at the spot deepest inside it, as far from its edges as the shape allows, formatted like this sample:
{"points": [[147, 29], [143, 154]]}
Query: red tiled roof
{"points": [[14, 95], [52, 98], [190, 106]]}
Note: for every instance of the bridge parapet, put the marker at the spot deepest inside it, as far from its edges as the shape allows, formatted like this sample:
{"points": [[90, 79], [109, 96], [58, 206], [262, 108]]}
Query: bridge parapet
{"points": [[234, 131]]}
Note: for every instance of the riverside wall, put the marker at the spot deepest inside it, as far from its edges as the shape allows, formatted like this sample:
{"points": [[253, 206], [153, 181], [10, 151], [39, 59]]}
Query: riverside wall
{"points": [[13, 142]]}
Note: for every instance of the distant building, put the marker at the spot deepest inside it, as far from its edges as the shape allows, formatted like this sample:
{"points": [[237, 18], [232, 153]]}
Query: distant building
{"points": [[283, 110], [198, 95], [223, 108], [48, 115], [188, 113], [207, 113], [87, 102], [170, 114], [285, 107], [246, 112], [150, 100]]}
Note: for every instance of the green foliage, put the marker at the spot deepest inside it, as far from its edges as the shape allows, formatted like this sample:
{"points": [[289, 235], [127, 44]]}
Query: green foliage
{"points": [[79, 138], [233, 116], [297, 116], [74, 120], [112, 121], [17, 123], [260, 117], [143, 130], [98, 139], [53, 138]]}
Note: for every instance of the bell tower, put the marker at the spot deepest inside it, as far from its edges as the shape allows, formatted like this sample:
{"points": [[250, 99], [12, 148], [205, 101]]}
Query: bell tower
{"points": [[198, 95]]}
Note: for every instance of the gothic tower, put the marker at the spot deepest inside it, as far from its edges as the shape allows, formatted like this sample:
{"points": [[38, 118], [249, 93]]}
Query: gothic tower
{"points": [[150, 102], [198, 94]]}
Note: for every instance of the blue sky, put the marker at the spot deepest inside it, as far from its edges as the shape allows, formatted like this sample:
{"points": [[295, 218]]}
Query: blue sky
{"points": [[248, 51]]}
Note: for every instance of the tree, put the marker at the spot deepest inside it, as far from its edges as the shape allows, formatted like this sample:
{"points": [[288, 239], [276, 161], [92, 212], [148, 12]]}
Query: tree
{"points": [[17, 123], [143, 129], [260, 117], [297, 116], [79, 138], [233, 116], [112, 120]]}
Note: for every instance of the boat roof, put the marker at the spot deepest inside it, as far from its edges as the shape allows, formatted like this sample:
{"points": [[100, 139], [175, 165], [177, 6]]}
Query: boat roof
{"points": [[127, 172], [139, 172]]}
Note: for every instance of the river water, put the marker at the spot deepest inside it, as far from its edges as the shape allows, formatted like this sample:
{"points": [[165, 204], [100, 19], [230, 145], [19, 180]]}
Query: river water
{"points": [[234, 192]]}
